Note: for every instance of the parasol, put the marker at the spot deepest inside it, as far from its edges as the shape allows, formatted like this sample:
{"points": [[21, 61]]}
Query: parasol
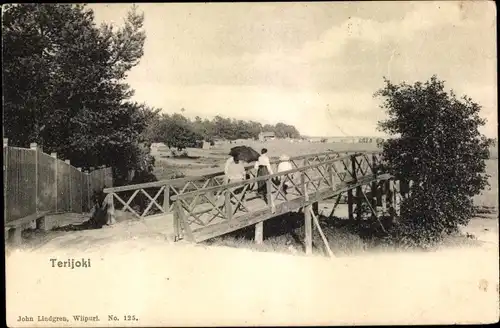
{"points": [[245, 153]]}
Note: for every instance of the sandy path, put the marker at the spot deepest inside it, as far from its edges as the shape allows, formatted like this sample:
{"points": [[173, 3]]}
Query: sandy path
{"points": [[165, 284]]}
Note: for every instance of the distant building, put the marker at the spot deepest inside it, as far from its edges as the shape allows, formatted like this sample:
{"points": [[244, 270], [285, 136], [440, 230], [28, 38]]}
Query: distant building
{"points": [[264, 136]]}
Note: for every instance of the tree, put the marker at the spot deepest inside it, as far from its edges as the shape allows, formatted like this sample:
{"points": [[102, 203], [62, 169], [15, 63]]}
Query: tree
{"points": [[438, 146], [152, 129], [63, 84], [199, 127], [219, 127], [176, 132]]}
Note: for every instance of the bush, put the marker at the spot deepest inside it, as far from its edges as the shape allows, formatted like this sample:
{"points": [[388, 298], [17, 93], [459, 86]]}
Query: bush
{"points": [[436, 144]]}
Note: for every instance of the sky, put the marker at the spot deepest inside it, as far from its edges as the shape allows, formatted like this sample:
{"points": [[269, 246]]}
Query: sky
{"points": [[315, 65]]}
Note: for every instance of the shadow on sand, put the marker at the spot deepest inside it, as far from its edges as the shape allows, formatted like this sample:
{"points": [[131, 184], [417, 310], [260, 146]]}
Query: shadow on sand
{"points": [[292, 222], [87, 225]]}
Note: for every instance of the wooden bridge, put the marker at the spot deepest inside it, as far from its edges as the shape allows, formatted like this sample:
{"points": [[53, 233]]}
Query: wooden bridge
{"points": [[204, 207]]}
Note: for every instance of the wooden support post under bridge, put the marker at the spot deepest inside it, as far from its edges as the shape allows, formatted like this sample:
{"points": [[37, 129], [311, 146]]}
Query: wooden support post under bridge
{"points": [[383, 196], [375, 190], [307, 213], [350, 204], [259, 233], [358, 196], [259, 227], [396, 197], [308, 229]]}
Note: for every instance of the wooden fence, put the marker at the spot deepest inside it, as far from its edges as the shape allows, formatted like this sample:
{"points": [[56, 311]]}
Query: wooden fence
{"points": [[38, 182]]}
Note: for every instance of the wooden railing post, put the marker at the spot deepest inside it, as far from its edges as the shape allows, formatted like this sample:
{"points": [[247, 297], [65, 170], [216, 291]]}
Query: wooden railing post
{"points": [[269, 193], [33, 146], [110, 213], [166, 199], [183, 224], [227, 204], [304, 184], [332, 176], [54, 156], [177, 218]]}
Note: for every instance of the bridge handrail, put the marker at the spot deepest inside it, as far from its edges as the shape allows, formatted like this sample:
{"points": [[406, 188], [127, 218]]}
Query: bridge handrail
{"points": [[181, 181], [262, 178]]}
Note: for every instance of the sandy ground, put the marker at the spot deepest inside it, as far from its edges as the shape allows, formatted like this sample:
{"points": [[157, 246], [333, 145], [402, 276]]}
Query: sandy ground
{"points": [[136, 271]]}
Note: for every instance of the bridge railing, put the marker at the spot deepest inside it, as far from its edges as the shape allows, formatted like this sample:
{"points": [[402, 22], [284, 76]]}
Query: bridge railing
{"points": [[155, 198], [307, 182]]}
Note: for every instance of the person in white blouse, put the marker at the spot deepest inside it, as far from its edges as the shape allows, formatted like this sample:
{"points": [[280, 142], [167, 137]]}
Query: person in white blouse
{"points": [[229, 161], [263, 167], [283, 166]]}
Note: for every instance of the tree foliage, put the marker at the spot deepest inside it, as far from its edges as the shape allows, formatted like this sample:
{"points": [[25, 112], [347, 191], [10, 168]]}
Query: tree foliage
{"points": [[176, 131], [159, 129], [64, 84], [437, 145]]}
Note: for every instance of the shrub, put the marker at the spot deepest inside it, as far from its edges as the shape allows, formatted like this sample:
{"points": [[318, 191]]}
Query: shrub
{"points": [[437, 144]]}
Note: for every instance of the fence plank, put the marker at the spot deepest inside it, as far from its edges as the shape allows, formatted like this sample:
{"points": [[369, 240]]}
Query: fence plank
{"points": [[35, 181], [46, 183], [21, 183], [62, 186], [85, 193], [5, 156], [76, 190]]}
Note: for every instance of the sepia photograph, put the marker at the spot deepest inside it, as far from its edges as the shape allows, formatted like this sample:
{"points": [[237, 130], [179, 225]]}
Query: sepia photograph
{"points": [[250, 163]]}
